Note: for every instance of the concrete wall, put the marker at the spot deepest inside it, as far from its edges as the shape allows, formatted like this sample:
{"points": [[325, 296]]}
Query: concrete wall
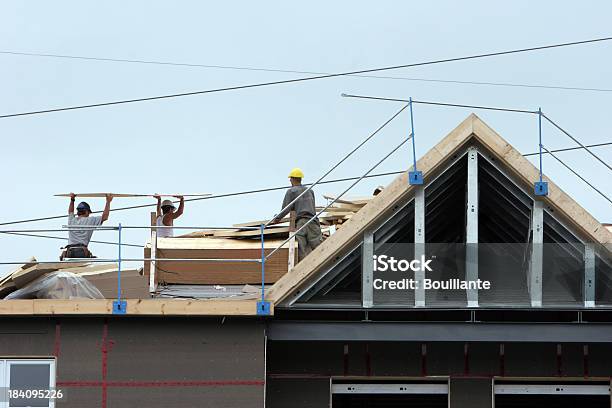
{"points": [[152, 362]]}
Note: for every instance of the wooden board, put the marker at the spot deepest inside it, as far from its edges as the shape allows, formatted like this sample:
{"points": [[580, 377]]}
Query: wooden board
{"points": [[224, 233], [133, 284], [135, 307], [348, 200], [102, 195], [216, 273], [27, 275]]}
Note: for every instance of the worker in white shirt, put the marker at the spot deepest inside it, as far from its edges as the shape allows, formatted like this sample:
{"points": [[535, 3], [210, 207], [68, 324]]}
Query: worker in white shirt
{"points": [[166, 214], [78, 238]]}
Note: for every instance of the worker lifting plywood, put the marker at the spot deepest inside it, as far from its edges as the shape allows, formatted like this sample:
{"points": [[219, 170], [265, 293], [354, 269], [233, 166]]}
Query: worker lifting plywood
{"points": [[128, 195]]}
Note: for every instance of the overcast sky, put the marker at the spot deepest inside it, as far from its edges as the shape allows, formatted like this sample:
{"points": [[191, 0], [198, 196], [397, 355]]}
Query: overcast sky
{"points": [[249, 139]]}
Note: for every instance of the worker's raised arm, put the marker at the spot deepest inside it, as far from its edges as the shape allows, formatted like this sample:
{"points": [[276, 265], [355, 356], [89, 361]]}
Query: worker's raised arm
{"points": [[180, 209], [106, 212], [71, 205], [159, 210]]}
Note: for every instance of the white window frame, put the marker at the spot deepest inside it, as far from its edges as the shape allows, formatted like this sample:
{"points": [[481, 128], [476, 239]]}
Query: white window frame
{"points": [[5, 374]]}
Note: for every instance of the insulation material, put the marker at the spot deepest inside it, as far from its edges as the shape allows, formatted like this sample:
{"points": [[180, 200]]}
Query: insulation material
{"points": [[58, 285], [133, 284]]}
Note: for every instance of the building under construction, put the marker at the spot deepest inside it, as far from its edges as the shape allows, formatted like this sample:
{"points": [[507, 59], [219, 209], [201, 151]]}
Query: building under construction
{"points": [[504, 299]]}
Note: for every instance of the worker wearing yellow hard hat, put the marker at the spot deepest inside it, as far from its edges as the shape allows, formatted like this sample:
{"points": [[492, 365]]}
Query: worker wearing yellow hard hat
{"points": [[301, 201], [297, 173]]}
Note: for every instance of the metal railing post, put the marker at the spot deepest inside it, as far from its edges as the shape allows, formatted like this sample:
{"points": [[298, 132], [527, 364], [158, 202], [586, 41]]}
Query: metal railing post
{"points": [[415, 177], [119, 306], [263, 307], [540, 187]]}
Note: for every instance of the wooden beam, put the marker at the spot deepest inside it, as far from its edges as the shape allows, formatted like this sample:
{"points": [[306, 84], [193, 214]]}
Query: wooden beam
{"points": [[127, 195], [153, 264], [148, 307], [292, 247]]}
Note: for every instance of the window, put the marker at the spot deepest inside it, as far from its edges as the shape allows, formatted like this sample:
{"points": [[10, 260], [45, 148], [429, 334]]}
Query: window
{"points": [[27, 383]]}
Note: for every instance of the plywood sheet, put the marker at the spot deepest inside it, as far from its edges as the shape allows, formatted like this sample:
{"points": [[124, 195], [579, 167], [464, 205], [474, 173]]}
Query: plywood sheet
{"points": [[217, 273]]}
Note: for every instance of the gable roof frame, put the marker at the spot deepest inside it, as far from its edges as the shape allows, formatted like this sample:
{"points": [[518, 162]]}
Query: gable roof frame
{"points": [[392, 197]]}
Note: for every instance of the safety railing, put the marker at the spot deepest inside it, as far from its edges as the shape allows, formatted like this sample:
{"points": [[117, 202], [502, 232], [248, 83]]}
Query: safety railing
{"points": [[414, 177], [120, 304], [263, 307]]}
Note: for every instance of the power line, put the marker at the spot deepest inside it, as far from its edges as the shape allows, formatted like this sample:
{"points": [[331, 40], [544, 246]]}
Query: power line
{"points": [[288, 71], [65, 239], [316, 77], [270, 189], [566, 149]]}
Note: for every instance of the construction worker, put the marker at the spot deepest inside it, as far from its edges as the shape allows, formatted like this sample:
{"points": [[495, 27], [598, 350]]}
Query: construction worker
{"points": [[78, 239], [309, 237], [166, 214]]}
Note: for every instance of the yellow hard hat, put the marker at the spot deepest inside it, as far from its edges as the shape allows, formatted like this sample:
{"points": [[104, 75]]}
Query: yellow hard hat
{"points": [[296, 172]]}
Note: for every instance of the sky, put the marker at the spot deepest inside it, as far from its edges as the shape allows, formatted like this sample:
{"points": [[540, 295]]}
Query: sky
{"points": [[249, 139]]}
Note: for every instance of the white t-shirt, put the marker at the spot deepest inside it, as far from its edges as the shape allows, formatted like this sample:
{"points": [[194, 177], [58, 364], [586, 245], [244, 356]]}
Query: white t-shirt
{"points": [[163, 232], [82, 237]]}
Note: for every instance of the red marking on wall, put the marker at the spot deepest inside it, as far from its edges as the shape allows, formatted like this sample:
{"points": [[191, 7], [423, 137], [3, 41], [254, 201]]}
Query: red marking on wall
{"points": [[424, 360], [502, 356], [105, 348], [346, 359], [585, 360], [154, 384], [57, 344], [368, 361], [559, 360], [466, 359]]}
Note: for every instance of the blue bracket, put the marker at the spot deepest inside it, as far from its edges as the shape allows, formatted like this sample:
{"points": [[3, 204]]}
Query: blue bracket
{"points": [[263, 308], [119, 306], [540, 187], [415, 177]]}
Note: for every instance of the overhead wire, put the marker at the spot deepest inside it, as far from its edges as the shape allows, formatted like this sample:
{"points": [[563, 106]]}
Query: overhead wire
{"points": [[270, 189], [311, 78], [289, 71], [65, 239]]}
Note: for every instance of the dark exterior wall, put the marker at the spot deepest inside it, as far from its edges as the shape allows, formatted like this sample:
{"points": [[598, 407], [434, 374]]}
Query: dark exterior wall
{"points": [[300, 371], [152, 362], [471, 392]]}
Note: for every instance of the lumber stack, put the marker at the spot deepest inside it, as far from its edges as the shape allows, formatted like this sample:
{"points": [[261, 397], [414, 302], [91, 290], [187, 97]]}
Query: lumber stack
{"points": [[241, 242], [216, 273], [336, 215], [341, 211], [103, 276]]}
